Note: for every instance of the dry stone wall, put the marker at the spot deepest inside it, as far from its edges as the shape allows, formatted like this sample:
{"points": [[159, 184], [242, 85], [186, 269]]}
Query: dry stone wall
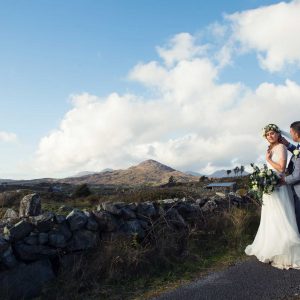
{"points": [[31, 240]]}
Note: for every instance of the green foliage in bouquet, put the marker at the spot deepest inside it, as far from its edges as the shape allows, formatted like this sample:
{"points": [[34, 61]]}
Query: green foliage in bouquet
{"points": [[262, 181]]}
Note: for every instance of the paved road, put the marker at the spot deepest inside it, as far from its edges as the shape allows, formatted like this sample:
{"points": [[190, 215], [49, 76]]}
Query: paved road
{"points": [[245, 280]]}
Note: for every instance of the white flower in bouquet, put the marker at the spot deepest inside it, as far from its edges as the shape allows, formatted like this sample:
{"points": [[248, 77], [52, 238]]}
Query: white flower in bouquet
{"points": [[296, 152], [262, 181]]}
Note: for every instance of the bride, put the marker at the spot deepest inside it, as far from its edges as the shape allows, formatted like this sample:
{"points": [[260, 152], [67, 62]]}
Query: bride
{"points": [[277, 240]]}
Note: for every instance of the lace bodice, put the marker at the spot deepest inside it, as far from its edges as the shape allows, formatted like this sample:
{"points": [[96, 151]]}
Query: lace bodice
{"points": [[279, 152]]}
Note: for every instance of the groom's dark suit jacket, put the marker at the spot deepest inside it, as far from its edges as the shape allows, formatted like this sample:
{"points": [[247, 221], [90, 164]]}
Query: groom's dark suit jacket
{"points": [[294, 180]]}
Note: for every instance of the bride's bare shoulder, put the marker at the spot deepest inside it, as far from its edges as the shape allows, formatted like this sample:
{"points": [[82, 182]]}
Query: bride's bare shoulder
{"points": [[280, 147]]}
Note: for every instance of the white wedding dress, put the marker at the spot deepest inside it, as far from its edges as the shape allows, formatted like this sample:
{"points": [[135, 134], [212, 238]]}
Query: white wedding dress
{"points": [[277, 240]]}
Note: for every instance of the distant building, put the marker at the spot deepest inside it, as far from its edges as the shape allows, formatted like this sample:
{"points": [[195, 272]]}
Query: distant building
{"points": [[222, 186]]}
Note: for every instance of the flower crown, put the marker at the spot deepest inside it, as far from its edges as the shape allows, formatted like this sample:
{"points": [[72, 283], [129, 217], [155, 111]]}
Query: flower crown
{"points": [[270, 127]]}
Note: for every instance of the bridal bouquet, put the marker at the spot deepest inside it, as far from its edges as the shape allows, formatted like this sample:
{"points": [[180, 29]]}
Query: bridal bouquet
{"points": [[262, 181]]}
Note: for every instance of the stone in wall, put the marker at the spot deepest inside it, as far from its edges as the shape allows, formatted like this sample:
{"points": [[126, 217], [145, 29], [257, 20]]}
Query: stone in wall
{"points": [[30, 205]]}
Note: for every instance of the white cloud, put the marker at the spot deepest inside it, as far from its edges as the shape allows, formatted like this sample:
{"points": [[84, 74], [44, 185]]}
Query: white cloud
{"points": [[272, 31], [7, 137], [181, 47]]}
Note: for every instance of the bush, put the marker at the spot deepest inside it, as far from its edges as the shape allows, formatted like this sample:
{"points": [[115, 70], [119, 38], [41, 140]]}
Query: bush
{"points": [[82, 191]]}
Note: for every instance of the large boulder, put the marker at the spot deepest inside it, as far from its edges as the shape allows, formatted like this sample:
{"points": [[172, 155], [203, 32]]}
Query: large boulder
{"points": [[25, 281], [30, 205], [18, 231], [83, 239], [77, 219]]}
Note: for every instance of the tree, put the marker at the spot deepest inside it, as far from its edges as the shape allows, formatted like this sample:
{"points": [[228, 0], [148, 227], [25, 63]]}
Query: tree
{"points": [[228, 172], [82, 191], [236, 170], [203, 178], [172, 180], [242, 169]]}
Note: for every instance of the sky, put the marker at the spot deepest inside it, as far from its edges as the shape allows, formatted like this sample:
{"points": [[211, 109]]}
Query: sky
{"points": [[87, 85]]}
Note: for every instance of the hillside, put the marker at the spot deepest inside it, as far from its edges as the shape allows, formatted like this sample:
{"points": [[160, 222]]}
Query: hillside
{"points": [[223, 173], [148, 172]]}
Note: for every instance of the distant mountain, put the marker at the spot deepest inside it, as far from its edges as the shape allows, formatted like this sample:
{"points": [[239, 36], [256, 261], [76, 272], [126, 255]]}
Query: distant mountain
{"points": [[223, 173], [193, 173], [107, 170], [85, 173], [149, 172]]}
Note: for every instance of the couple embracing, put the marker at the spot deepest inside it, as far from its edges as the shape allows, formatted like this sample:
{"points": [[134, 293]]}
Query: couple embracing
{"points": [[277, 240]]}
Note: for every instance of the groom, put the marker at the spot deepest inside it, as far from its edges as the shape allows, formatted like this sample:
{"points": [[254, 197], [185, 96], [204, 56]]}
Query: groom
{"points": [[293, 169]]}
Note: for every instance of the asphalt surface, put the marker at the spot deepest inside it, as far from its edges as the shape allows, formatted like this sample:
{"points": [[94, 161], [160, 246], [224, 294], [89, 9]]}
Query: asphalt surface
{"points": [[250, 279]]}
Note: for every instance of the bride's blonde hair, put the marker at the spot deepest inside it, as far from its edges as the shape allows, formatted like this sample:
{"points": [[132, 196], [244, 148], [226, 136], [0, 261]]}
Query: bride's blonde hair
{"points": [[271, 127]]}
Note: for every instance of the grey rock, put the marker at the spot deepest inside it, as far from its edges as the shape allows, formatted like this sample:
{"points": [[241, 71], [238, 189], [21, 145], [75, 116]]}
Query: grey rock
{"points": [[18, 231], [32, 239], [201, 201], [25, 281], [30, 205], [64, 229], [43, 238], [82, 239], [59, 219], [133, 227], [105, 220], [33, 252], [92, 224], [76, 219], [186, 210], [10, 214], [146, 210], [43, 222], [168, 203], [57, 240], [209, 206], [127, 213], [175, 219], [131, 206], [8, 259], [112, 208]]}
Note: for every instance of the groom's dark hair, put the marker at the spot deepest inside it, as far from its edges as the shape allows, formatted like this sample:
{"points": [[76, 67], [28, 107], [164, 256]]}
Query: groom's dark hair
{"points": [[296, 126]]}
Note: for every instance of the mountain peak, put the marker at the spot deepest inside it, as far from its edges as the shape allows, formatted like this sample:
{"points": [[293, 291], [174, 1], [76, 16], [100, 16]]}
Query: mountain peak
{"points": [[151, 163]]}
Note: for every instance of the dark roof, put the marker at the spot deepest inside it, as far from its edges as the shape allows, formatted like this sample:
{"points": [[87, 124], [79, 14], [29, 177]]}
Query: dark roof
{"points": [[221, 184]]}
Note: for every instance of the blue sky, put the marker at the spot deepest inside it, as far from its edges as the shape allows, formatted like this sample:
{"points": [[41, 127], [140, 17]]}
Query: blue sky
{"points": [[51, 50]]}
